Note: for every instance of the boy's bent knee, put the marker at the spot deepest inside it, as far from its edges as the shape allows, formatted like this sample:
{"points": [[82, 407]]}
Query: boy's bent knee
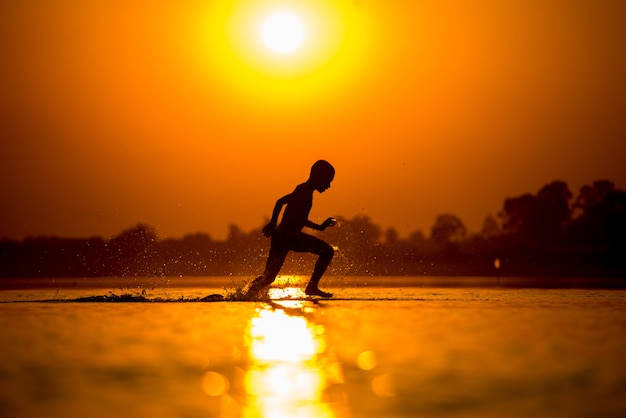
{"points": [[328, 252]]}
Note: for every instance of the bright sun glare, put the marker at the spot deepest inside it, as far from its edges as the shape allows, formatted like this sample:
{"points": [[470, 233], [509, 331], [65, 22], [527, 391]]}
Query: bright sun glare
{"points": [[274, 50], [283, 32]]}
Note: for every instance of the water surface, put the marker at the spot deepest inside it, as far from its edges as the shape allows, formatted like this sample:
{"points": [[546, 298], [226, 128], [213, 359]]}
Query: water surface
{"points": [[427, 347]]}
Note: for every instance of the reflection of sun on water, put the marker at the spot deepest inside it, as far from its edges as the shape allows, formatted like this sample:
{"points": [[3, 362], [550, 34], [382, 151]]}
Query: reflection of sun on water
{"points": [[276, 336], [286, 293], [288, 376], [288, 287]]}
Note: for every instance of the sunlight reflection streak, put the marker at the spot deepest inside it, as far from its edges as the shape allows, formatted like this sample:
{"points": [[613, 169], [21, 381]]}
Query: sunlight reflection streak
{"points": [[286, 377]]}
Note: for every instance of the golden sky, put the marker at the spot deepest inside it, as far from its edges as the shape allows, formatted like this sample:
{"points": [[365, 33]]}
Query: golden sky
{"points": [[174, 113]]}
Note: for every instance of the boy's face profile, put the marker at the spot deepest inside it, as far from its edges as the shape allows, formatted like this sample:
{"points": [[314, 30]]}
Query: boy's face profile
{"points": [[322, 183], [322, 174]]}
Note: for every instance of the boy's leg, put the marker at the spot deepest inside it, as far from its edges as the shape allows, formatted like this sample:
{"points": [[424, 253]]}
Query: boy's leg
{"points": [[275, 261], [311, 244]]}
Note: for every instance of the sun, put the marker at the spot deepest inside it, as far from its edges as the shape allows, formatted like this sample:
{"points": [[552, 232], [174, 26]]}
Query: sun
{"points": [[278, 51], [283, 32]]}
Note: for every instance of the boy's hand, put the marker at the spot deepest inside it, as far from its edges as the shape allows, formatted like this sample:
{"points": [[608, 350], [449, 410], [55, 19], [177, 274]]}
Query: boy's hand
{"points": [[329, 222], [269, 229]]}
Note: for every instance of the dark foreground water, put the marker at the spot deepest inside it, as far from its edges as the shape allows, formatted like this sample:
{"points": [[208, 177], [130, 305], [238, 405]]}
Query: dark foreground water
{"points": [[407, 348]]}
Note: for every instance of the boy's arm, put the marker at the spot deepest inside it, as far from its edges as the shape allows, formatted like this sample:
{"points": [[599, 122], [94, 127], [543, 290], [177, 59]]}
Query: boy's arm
{"points": [[269, 229], [328, 222]]}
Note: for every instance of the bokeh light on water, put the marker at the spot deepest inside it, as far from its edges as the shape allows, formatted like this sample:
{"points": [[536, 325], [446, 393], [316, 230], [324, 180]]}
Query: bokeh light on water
{"points": [[215, 384]]}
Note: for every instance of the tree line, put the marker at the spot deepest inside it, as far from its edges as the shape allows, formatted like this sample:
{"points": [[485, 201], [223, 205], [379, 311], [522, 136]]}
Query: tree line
{"points": [[548, 233]]}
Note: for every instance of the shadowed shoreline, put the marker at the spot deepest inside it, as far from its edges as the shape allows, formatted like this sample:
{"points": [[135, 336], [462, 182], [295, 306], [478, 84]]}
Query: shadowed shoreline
{"points": [[548, 234]]}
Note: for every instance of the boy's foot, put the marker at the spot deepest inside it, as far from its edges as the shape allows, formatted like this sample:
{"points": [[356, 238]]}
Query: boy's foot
{"points": [[317, 292], [255, 290], [259, 293]]}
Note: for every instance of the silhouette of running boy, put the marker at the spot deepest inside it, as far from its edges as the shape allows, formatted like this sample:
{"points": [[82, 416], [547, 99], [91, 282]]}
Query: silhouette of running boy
{"points": [[288, 235]]}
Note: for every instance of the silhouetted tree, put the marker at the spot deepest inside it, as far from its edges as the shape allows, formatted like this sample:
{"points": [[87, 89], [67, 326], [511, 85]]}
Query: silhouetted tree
{"points": [[592, 198], [194, 254], [391, 236], [517, 215], [539, 234], [235, 234], [417, 238], [601, 216], [134, 241], [540, 219], [133, 251], [490, 227], [554, 210], [448, 229]]}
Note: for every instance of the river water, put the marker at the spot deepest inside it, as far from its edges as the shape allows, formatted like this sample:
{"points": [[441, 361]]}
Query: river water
{"points": [[383, 347]]}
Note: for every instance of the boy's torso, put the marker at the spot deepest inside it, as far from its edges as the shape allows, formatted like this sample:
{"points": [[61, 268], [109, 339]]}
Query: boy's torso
{"points": [[298, 208]]}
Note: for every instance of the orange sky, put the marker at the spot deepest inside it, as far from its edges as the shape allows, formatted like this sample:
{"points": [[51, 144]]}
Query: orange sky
{"points": [[172, 113]]}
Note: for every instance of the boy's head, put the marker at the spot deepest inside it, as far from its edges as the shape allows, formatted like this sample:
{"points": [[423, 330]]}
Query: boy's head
{"points": [[322, 173]]}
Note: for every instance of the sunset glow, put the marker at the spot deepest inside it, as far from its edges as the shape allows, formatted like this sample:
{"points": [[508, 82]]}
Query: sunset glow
{"points": [[184, 119]]}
